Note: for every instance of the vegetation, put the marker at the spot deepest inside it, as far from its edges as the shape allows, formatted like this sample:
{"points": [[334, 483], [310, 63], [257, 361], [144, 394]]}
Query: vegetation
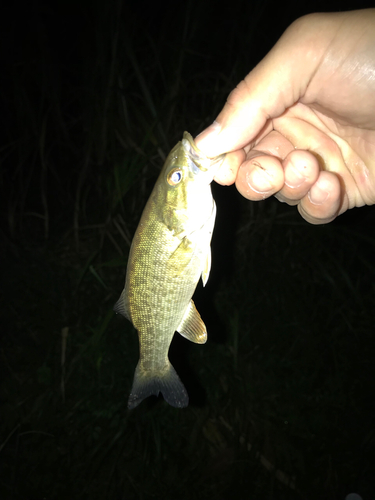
{"points": [[281, 395]]}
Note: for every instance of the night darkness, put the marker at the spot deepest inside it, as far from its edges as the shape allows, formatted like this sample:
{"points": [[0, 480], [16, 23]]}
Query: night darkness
{"points": [[94, 95]]}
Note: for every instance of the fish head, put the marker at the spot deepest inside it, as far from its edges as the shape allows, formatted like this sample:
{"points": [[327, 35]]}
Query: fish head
{"points": [[185, 185]]}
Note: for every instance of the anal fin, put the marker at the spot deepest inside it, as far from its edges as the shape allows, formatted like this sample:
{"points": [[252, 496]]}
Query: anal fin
{"points": [[192, 326]]}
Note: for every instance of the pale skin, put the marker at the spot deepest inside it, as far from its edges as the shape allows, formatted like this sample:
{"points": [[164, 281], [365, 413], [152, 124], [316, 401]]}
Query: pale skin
{"points": [[301, 125]]}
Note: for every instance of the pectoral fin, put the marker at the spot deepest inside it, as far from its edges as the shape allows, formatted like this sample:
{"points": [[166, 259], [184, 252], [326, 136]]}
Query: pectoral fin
{"points": [[192, 326], [207, 267], [209, 227]]}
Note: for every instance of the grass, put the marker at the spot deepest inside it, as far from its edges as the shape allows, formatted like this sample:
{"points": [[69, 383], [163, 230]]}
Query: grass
{"points": [[281, 393]]}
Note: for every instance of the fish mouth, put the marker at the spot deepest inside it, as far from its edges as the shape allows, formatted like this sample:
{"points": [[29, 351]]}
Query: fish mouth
{"points": [[199, 159]]}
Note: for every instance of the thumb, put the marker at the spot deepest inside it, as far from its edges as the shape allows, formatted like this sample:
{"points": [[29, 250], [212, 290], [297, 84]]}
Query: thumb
{"points": [[275, 84]]}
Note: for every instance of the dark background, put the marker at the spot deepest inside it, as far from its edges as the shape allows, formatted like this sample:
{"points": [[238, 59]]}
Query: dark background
{"points": [[94, 95]]}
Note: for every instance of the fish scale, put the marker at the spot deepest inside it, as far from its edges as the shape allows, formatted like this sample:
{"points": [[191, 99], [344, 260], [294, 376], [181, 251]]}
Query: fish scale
{"points": [[169, 253]]}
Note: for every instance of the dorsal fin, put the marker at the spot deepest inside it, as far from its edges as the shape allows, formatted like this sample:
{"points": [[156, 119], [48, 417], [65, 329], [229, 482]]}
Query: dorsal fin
{"points": [[121, 306]]}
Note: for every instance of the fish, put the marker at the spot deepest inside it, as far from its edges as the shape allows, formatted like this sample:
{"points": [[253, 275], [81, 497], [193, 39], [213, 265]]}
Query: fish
{"points": [[170, 251]]}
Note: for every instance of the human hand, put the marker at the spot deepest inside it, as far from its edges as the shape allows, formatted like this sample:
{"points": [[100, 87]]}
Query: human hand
{"points": [[301, 125]]}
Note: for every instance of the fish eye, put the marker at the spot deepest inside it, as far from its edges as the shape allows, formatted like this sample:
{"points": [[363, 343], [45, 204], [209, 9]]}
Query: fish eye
{"points": [[174, 176]]}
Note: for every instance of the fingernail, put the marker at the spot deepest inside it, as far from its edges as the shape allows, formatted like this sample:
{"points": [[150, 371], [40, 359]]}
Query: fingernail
{"points": [[260, 180], [293, 178], [317, 195]]}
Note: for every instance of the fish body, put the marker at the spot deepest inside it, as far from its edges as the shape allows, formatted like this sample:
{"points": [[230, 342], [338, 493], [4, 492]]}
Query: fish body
{"points": [[169, 253]]}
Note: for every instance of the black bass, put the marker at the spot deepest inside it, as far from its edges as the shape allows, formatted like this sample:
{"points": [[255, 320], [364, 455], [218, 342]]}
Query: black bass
{"points": [[169, 252]]}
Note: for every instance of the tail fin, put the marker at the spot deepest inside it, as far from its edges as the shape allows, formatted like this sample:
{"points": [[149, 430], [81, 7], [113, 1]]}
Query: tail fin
{"points": [[152, 383]]}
